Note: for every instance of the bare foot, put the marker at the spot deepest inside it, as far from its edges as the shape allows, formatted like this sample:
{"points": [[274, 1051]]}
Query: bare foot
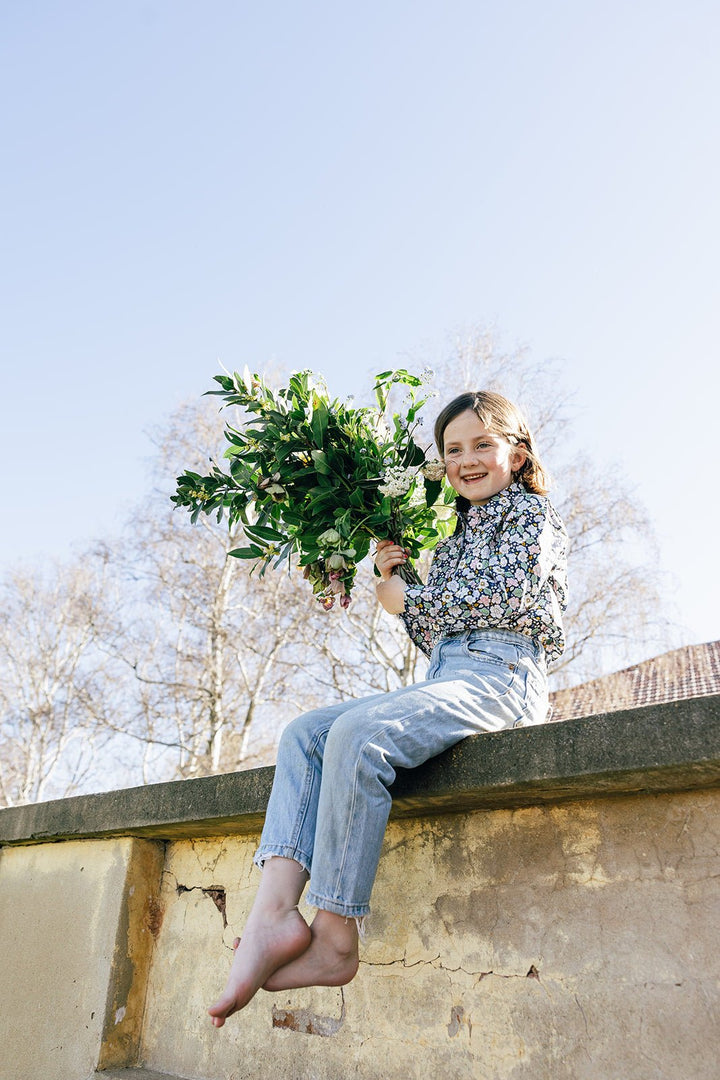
{"points": [[270, 944], [330, 960]]}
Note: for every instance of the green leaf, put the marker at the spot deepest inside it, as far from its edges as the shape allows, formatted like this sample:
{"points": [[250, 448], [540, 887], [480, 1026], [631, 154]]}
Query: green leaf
{"points": [[247, 553], [432, 491], [415, 455], [225, 381], [319, 423], [262, 532], [237, 465], [320, 463], [284, 554]]}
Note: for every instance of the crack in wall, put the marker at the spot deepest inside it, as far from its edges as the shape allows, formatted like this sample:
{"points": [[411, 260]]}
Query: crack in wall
{"points": [[582, 1013], [402, 962], [215, 892], [201, 847], [437, 965]]}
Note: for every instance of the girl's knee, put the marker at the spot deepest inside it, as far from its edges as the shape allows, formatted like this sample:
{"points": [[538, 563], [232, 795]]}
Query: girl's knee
{"points": [[352, 734], [303, 730], [310, 728]]}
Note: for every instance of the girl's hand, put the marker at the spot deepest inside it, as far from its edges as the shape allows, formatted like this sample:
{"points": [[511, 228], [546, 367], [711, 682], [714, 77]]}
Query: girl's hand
{"points": [[387, 556], [391, 589]]}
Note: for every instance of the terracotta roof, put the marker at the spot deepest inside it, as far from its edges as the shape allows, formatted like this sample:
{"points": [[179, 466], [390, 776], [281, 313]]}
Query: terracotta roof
{"points": [[693, 671]]}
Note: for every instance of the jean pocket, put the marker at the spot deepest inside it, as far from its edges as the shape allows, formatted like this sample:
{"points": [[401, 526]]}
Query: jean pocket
{"points": [[501, 653], [498, 671]]}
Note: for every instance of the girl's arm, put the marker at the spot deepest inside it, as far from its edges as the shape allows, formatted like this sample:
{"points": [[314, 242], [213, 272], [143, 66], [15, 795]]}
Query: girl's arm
{"points": [[391, 588]]}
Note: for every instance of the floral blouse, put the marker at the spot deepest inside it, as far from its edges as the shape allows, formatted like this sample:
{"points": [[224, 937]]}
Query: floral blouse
{"points": [[504, 569]]}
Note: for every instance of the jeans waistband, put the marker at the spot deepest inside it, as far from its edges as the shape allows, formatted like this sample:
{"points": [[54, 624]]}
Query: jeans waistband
{"points": [[521, 641]]}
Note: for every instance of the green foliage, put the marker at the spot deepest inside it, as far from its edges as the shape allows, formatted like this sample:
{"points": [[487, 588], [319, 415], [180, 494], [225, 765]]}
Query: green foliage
{"points": [[319, 480]]}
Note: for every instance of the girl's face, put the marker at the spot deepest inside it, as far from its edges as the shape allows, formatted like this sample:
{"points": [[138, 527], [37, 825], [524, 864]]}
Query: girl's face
{"points": [[478, 462]]}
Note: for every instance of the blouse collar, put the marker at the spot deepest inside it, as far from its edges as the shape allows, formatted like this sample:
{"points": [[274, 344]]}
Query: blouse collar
{"points": [[494, 508]]}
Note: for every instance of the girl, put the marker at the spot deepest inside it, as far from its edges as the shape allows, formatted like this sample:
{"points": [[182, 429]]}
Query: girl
{"points": [[488, 618]]}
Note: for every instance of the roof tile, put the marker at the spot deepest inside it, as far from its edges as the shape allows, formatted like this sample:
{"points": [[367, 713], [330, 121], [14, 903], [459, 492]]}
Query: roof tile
{"points": [[693, 671]]}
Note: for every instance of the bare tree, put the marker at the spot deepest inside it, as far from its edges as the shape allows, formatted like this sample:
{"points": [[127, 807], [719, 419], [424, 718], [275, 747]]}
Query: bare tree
{"points": [[54, 685]]}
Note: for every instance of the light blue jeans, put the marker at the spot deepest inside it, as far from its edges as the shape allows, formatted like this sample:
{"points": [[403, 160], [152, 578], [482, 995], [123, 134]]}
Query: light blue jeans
{"points": [[330, 803]]}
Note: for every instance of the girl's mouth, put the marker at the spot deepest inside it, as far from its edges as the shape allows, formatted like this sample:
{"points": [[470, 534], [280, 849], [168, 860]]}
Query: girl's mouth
{"points": [[474, 476]]}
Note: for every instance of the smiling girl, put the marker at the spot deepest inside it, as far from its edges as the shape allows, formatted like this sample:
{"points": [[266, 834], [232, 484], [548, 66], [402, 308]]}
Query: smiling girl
{"points": [[489, 619]]}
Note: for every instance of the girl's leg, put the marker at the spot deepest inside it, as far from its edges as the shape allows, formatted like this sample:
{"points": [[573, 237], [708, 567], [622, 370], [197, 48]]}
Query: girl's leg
{"points": [[339, 762], [362, 750], [275, 934], [291, 818], [483, 682]]}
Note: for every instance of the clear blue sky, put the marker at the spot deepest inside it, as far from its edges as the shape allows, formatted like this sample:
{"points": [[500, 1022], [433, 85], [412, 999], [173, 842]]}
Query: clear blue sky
{"points": [[335, 186]]}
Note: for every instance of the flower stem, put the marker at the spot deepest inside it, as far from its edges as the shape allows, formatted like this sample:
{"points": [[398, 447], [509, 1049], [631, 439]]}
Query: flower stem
{"points": [[409, 574]]}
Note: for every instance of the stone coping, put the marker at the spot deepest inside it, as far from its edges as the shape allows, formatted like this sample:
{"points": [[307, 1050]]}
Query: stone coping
{"points": [[672, 747]]}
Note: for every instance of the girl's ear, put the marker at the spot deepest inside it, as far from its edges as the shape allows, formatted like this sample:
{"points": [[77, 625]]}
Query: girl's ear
{"points": [[518, 458]]}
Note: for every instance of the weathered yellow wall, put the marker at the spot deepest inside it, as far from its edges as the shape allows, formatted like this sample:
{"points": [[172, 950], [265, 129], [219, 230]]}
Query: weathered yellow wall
{"points": [[557, 940], [574, 942], [75, 945]]}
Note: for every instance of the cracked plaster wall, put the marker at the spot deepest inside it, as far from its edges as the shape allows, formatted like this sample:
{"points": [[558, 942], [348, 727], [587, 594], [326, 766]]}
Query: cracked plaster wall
{"points": [[569, 942]]}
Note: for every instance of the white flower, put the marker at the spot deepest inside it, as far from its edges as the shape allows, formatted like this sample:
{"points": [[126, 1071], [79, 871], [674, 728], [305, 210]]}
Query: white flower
{"points": [[426, 375], [433, 469], [397, 481], [330, 536]]}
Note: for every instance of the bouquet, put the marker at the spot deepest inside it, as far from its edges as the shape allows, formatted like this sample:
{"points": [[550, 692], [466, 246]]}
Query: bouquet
{"points": [[314, 481]]}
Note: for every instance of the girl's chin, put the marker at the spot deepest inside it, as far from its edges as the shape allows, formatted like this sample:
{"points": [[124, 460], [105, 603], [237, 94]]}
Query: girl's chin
{"points": [[476, 492], [478, 497]]}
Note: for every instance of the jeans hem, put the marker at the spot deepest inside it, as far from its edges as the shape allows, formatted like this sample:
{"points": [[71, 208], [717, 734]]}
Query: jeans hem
{"points": [[281, 851], [350, 911]]}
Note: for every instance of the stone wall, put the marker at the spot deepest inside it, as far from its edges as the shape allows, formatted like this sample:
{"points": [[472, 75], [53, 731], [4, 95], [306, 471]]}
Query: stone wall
{"points": [[546, 909]]}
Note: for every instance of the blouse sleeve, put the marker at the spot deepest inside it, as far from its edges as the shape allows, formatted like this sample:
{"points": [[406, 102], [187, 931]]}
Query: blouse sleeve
{"points": [[416, 619]]}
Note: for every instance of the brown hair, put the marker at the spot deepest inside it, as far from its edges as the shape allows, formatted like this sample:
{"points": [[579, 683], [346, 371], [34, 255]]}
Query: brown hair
{"points": [[501, 417]]}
